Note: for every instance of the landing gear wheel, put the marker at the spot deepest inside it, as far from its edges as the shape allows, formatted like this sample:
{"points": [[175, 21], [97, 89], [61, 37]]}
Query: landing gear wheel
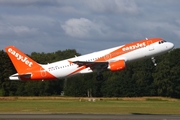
{"points": [[99, 77], [154, 61]]}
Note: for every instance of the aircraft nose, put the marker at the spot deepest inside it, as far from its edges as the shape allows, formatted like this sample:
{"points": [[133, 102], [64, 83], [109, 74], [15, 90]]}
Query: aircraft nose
{"points": [[170, 45]]}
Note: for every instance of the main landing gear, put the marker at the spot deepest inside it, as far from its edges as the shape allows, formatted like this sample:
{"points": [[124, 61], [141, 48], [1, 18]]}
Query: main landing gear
{"points": [[99, 77]]}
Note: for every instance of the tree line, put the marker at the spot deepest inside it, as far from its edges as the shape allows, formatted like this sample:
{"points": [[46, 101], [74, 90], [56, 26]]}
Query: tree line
{"points": [[140, 78]]}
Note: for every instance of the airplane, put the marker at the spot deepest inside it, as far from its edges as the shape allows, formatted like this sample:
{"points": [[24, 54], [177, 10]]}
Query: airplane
{"points": [[113, 59]]}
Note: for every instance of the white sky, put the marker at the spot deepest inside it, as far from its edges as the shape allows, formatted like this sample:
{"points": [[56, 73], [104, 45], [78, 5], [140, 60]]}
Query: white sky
{"points": [[85, 25]]}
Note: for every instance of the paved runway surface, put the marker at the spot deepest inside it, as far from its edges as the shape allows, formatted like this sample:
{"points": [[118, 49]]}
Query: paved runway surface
{"points": [[88, 117]]}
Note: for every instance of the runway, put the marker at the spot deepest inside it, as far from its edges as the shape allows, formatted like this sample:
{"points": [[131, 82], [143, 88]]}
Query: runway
{"points": [[88, 117]]}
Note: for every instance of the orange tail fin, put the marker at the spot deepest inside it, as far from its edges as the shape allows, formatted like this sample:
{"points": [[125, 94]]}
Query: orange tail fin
{"points": [[21, 61]]}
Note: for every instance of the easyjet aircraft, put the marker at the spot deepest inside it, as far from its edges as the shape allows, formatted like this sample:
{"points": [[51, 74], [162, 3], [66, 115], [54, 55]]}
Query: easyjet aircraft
{"points": [[113, 59]]}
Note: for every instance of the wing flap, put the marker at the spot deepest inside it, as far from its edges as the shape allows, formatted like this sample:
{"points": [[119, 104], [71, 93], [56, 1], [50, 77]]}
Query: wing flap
{"points": [[92, 65]]}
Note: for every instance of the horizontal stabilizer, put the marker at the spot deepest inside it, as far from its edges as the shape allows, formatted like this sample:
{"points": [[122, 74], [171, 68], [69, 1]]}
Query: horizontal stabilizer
{"points": [[18, 77]]}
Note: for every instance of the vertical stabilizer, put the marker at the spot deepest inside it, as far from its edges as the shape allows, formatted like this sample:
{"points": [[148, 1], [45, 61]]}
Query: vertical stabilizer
{"points": [[21, 62]]}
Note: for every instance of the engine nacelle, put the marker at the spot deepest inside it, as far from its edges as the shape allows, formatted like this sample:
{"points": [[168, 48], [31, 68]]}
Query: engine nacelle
{"points": [[117, 66]]}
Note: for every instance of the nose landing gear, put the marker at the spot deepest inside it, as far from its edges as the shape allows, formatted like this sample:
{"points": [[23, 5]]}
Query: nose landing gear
{"points": [[154, 61]]}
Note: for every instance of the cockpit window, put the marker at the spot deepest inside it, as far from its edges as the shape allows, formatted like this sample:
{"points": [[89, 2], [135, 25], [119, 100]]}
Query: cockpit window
{"points": [[160, 42]]}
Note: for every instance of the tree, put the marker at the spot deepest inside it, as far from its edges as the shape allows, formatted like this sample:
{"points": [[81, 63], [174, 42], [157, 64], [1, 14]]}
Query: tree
{"points": [[140, 78]]}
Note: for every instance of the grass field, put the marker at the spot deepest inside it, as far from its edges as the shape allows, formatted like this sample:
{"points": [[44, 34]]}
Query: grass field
{"points": [[56, 105]]}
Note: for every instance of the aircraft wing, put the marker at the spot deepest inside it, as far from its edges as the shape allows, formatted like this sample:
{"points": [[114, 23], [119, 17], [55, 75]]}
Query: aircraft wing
{"points": [[92, 65]]}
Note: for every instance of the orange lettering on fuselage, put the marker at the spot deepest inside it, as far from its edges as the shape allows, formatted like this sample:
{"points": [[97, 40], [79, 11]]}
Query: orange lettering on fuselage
{"points": [[133, 47]]}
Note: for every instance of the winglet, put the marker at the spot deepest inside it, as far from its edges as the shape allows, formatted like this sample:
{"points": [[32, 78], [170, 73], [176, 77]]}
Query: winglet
{"points": [[21, 61]]}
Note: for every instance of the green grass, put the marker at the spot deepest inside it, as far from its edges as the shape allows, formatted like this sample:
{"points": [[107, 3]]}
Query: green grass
{"points": [[56, 105]]}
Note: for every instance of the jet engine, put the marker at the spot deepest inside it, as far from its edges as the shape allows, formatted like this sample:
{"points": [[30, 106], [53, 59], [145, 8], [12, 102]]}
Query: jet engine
{"points": [[117, 66]]}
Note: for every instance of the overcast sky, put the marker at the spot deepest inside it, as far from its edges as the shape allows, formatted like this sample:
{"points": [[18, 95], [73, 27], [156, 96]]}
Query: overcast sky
{"points": [[86, 25]]}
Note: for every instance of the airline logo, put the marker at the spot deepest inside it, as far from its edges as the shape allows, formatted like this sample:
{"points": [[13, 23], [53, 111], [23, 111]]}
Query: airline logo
{"points": [[135, 46], [20, 57]]}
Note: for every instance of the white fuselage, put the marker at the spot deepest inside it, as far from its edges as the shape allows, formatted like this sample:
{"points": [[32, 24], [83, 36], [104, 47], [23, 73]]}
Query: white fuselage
{"points": [[113, 59]]}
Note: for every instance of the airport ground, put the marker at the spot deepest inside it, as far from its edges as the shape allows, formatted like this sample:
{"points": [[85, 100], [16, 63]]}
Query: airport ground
{"points": [[89, 108], [87, 117]]}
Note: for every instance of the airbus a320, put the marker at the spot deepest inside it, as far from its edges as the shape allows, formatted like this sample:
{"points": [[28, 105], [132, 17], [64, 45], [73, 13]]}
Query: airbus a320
{"points": [[113, 59]]}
